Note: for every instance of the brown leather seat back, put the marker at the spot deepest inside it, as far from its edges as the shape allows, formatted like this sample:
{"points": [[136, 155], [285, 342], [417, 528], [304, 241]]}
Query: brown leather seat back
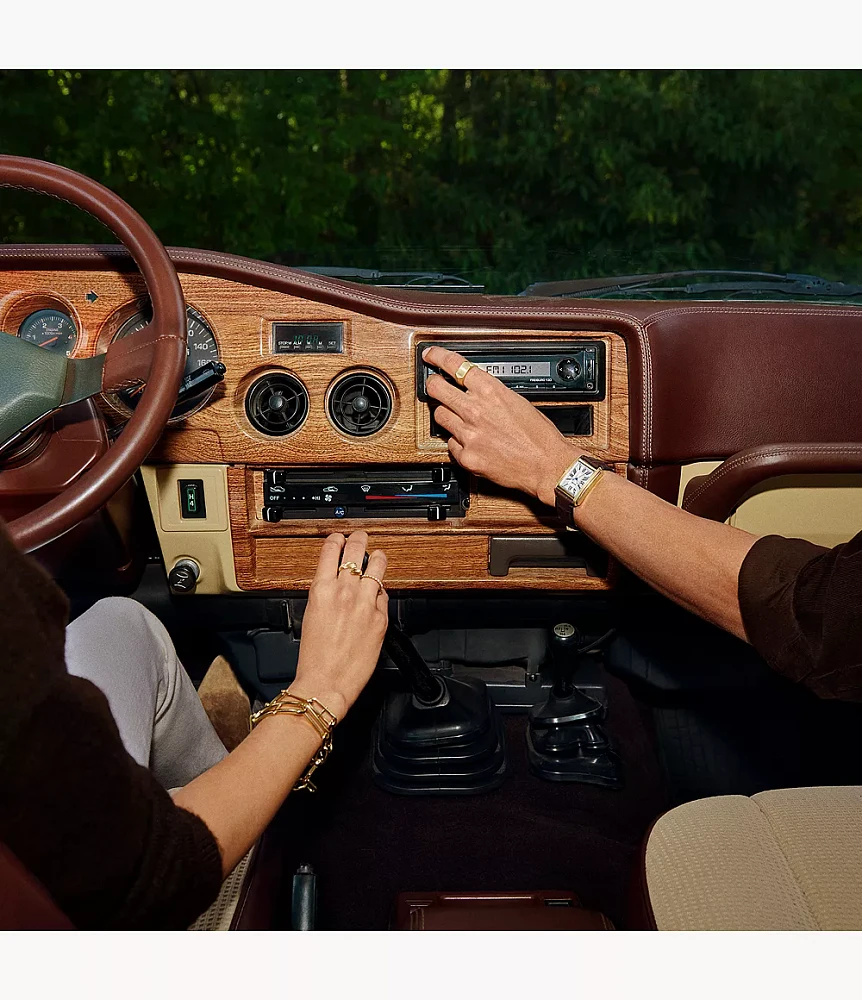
{"points": [[24, 903]]}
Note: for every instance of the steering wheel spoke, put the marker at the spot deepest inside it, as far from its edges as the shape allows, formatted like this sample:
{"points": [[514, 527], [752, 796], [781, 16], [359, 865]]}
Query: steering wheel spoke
{"points": [[35, 384], [128, 361]]}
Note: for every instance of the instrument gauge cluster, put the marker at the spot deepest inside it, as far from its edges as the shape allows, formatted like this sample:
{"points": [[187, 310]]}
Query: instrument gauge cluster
{"points": [[51, 329], [48, 322]]}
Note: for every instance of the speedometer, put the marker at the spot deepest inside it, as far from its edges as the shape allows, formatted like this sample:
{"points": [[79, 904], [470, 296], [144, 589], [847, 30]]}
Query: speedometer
{"points": [[201, 349]]}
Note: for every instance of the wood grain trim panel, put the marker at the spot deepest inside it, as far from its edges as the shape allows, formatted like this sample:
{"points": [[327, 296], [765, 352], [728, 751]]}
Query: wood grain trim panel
{"points": [[276, 556], [240, 316], [449, 555]]}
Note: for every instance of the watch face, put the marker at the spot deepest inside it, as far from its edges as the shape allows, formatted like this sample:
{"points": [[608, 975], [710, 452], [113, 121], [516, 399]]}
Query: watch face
{"points": [[576, 478]]}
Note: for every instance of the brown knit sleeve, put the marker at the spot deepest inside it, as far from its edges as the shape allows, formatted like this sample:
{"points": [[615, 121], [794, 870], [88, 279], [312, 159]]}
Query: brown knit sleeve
{"points": [[801, 605], [95, 828]]}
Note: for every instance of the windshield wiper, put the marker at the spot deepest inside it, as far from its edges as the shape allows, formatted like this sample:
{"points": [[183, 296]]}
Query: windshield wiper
{"points": [[653, 285], [434, 281]]}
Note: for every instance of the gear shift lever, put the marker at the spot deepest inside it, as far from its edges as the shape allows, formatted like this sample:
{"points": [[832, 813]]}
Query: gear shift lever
{"points": [[565, 738], [443, 736]]}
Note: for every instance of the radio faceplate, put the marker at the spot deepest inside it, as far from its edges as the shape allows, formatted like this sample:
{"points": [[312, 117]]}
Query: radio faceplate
{"points": [[546, 371]]}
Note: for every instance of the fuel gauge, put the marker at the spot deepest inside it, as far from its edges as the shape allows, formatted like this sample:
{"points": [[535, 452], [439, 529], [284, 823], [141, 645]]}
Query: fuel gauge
{"points": [[51, 329]]}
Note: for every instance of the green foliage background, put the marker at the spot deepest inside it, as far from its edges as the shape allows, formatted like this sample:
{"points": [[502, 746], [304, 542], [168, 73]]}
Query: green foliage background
{"points": [[506, 177]]}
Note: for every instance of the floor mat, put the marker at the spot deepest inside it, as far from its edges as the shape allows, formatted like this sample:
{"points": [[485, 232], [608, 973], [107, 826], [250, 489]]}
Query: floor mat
{"points": [[367, 845]]}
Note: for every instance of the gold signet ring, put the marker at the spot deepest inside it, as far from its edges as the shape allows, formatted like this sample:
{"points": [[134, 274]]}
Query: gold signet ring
{"points": [[463, 371]]}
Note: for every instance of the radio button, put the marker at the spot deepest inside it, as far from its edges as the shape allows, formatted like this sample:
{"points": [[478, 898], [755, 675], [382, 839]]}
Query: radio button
{"points": [[568, 369]]}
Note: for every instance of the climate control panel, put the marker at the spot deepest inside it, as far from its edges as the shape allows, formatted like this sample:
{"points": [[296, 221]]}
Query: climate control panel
{"points": [[433, 493]]}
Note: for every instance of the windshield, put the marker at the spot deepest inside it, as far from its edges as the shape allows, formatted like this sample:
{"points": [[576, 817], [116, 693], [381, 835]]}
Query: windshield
{"points": [[497, 179]]}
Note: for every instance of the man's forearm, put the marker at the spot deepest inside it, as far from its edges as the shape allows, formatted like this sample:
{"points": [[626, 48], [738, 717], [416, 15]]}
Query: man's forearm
{"points": [[494, 432], [693, 561]]}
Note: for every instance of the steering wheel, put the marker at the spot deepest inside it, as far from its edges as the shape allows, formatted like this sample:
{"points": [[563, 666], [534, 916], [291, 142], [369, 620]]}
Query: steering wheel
{"points": [[34, 383]]}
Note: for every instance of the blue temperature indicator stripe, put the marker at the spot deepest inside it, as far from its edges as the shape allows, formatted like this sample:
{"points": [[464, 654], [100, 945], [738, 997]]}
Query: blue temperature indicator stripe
{"points": [[408, 496]]}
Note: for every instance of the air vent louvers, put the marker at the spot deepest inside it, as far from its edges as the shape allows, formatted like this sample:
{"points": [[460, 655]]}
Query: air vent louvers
{"points": [[360, 404], [277, 404]]}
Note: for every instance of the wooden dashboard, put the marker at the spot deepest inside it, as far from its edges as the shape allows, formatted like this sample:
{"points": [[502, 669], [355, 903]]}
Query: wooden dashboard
{"points": [[451, 554]]}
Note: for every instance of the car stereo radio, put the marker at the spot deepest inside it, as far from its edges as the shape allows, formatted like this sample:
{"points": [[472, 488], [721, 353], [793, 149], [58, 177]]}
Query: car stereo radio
{"points": [[550, 371], [434, 493]]}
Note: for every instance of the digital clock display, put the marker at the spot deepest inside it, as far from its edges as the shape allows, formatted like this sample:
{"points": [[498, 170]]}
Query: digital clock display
{"points": [[307, 338], [513, 369]]}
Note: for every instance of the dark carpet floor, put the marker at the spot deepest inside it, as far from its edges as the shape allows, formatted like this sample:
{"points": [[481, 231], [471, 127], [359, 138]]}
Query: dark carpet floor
{"points": [[367, 845]]}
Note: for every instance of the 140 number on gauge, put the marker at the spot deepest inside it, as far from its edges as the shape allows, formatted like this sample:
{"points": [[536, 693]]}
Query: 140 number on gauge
{"points": [[201, 348]]}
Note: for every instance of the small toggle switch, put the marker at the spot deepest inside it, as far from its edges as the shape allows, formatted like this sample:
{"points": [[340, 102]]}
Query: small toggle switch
{"points": [[192, 499]]}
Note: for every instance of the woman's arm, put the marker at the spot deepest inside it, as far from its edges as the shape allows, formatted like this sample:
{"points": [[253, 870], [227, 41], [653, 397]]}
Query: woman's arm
{"points": [[500, 435], [342, 633]]}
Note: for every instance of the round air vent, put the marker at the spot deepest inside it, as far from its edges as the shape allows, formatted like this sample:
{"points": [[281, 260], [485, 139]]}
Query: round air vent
{"points": [[360, 404], [277, 404]]}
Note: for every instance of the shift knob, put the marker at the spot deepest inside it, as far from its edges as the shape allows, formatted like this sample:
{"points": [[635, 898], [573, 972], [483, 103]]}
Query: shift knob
{"points": [[565, 640], [183, 578], [565, 637]]}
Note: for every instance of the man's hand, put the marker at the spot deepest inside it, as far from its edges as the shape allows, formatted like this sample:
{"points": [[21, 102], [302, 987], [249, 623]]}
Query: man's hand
{"points": [[495, 432]]}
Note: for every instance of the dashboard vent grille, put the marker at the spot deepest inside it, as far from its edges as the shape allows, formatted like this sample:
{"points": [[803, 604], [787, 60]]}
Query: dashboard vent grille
{"points": [[277, 404], [360, 404]]}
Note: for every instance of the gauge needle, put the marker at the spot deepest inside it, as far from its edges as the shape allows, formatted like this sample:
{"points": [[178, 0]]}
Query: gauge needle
{"points": [[53, 340]]}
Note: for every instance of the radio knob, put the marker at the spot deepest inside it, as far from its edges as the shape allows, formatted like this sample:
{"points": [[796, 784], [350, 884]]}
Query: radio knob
{"points": [[568, 369]]}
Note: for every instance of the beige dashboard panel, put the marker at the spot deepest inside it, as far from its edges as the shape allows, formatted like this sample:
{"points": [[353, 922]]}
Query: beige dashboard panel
{"points": [[207, 540], [825, 509]]}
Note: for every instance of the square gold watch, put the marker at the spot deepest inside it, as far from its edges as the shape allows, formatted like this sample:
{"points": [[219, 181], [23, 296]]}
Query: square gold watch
{"points": [[575, 485]]}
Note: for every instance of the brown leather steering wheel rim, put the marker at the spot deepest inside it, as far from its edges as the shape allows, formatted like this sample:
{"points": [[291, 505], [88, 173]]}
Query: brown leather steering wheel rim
{"points": [[156, 354]]}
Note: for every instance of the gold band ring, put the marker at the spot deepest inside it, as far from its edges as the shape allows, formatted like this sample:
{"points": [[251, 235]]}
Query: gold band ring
{"points": [[463, 371], [352, 567], [368, 576]]}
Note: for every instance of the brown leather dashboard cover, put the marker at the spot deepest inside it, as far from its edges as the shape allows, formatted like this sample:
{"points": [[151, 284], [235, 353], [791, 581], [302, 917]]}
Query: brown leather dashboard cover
{"points": [[731, 376]]}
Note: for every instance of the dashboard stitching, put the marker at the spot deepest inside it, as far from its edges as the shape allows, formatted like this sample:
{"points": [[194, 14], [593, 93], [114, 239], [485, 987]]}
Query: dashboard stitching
{"points": [[647, 378], [192, 256], [852, 313], [758, 456]]}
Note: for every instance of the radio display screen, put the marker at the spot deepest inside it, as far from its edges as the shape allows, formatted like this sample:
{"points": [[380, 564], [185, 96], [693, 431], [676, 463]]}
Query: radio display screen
{"points": [[512, 369]]}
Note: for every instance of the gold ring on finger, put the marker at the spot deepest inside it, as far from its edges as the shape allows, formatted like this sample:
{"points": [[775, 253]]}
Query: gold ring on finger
{"points": [[463, 371], [368, 576], [352, 568]]}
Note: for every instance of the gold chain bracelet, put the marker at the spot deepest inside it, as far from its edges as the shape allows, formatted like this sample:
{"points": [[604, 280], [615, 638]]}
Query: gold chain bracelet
{"points": [[317, 714]]}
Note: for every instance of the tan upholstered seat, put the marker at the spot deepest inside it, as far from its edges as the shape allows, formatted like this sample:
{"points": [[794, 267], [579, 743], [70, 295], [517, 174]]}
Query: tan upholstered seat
{"points": [[220, 915], [789, 859]]}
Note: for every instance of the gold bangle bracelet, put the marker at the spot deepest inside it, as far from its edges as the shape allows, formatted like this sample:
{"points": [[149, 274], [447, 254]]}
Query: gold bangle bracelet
{"points": [[319, 717]]}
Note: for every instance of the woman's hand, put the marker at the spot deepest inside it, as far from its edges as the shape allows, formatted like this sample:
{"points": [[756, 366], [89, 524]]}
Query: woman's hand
{"points": [[495, 432], [344, 625]]}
